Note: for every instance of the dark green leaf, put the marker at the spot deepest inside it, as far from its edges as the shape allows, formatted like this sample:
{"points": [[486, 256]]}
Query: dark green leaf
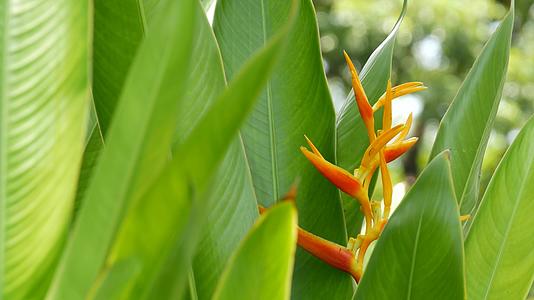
{"points": [[118, 31], [420, 255]]}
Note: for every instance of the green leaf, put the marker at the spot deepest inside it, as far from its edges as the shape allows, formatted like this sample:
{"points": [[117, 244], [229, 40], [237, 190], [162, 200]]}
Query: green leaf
{"points": [[137, 146], [262, 266], [177, 204], [231, 205], [44, 87], [420, 254], [93, 146], [498, 248], [116, 280], [295, 102], [118, 31], [466, 126], [351, 135]]}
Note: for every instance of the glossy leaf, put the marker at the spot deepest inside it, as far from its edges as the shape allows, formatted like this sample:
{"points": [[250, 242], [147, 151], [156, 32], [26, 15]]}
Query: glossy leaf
{"points": [[44, 87], [177, 202], [262, 266], [137, 146], [498, 248], [118, 31], [295, 102], [420, 254], [472, 113], [351, 135]]}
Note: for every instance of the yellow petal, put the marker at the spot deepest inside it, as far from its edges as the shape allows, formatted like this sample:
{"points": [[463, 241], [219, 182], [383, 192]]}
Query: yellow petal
{"points": [[400, 90]]}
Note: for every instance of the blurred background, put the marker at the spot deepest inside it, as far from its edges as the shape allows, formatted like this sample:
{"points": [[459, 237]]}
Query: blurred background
{"points": [[437, 44]]}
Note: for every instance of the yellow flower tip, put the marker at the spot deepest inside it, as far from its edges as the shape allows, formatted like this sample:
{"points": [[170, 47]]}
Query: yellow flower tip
{"points": [[312, 146], [394, 151], [342, 179], [406, 129]]}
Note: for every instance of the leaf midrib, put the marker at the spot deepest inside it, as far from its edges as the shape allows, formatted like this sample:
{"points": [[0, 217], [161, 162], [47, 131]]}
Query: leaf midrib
{"points": [[530, 173], [414, 255], [272, 133]]}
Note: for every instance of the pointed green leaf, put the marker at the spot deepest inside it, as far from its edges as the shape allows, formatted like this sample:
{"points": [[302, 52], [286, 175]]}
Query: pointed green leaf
{"points": [[420, 255], [466, 126], [351, 135], [137, 146], [44, 93], [262, 266], [118, 31], [232, 203], [296, 102], [177, 201], [498, 248]]}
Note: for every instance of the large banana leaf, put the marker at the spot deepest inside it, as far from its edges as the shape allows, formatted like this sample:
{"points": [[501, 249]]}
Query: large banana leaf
{"points": [[295, 102], [176, 204], [466, 126], [118, 30], [137, 146], [498, 248], [44, 87], [351, 135], [232, 203], [420, 254], [265, 258]]}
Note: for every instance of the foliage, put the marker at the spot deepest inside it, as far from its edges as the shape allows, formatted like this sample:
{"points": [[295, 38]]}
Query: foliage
{"points": [[148, 154]]}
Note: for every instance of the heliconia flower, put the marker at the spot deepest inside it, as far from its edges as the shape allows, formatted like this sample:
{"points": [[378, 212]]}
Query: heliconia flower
{"points": [[342, 179]]}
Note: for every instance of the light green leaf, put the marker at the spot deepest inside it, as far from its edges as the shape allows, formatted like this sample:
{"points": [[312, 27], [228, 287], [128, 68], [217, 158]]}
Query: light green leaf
{"points": [[351, 135], [44, 88], [295, 102], [137, 146], [232, 203], [116, 280], [177, 202], [465, 128], [498, 248], [262, 266], [118, 31], [420, 255]]}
